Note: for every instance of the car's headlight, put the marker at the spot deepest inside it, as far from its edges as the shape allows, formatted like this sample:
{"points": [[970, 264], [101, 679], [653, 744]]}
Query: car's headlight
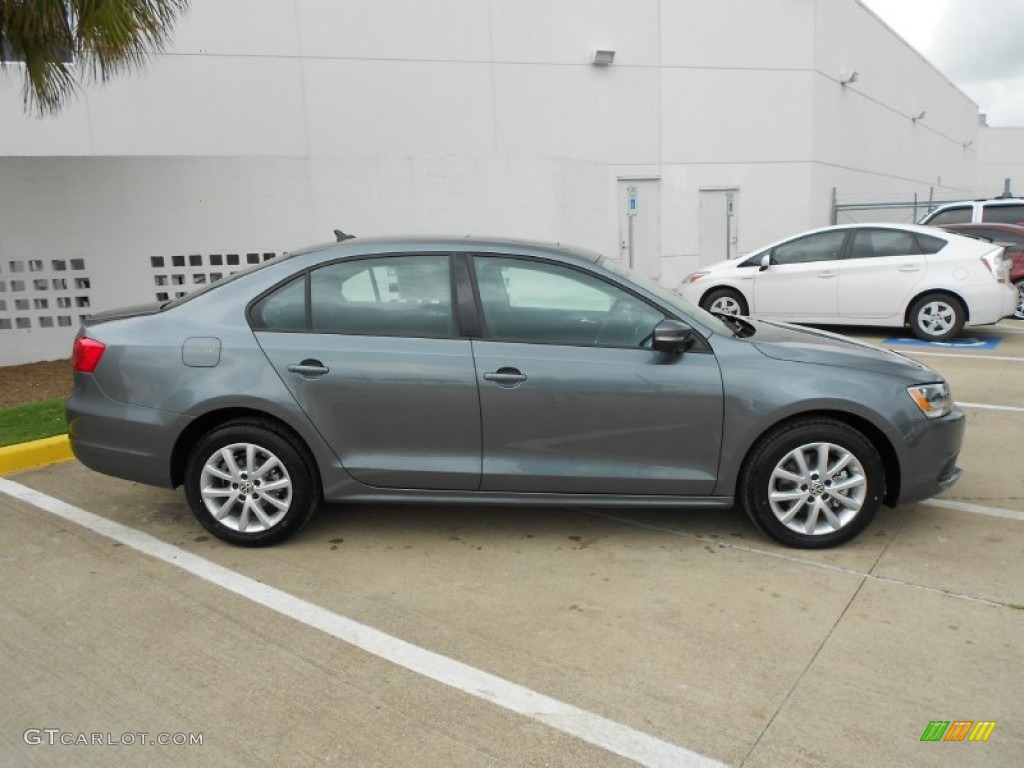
{"points": [[933, 399], [693, 277]]}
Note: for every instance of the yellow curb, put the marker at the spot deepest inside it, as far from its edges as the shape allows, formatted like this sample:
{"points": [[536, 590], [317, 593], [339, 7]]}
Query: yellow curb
{"points": [[38, 453]]}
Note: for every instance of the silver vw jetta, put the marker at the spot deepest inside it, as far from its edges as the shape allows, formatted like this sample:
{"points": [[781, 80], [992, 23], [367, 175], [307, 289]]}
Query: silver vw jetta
{"points": [[497, 371]]}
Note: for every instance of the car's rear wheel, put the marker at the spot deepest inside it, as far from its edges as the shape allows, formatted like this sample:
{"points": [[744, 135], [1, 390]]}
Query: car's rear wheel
{"points": [[250, 483], [1019, 314], [937, 317], [725, 300], [812, 483]]}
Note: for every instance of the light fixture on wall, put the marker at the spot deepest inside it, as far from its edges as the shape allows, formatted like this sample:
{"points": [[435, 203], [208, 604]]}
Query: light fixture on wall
{"points": [[602, 57], [919, 115], [847, 78]]}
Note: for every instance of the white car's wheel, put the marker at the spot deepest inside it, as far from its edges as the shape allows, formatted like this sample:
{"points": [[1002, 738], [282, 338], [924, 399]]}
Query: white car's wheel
{"points": [[1019, 314], [725, 300], [937, 317]]}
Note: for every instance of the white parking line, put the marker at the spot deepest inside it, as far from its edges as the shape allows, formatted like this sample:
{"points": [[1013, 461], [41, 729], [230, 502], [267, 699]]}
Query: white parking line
{"points": [[972, 356], [594, 729], [977, 509], [988, 407]]}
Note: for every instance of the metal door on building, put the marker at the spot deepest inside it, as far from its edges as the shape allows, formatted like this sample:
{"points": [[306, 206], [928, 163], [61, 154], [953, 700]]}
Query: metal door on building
{"points": [[639, 206], [718, 226]]}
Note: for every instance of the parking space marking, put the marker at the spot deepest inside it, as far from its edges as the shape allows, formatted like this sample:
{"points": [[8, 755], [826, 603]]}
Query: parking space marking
{"points": [[592, 728], [977, 509], [970, 342], [989, 407], [964, 356]]}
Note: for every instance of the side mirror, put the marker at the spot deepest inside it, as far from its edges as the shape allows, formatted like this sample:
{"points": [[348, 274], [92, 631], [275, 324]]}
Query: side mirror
{"points": [[766, 261], [672, 336]]}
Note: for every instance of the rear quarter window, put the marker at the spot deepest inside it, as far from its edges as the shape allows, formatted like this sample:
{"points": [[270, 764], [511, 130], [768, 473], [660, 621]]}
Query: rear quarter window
{"points": [[1004, 214], [929, 244]]}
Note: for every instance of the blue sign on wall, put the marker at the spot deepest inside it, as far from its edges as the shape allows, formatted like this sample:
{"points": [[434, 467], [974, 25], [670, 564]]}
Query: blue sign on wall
{"points": [[964, 342]]}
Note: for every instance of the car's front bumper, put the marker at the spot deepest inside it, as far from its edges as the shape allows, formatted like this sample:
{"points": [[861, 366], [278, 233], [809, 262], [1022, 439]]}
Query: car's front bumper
{"points": [[928, 466]]}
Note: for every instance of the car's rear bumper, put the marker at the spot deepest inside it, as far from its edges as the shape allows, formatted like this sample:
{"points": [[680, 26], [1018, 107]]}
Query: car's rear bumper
{"points": [[118, 439], [929, 467], [992, 304]]}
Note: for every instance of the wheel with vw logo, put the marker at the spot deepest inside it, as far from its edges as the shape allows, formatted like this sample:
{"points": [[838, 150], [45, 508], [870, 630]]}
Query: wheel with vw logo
{"points": [[250, 482], [812, 483]]}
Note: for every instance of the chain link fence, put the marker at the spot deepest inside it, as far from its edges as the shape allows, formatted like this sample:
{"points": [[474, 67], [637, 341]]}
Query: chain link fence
{"points": [[893, 211]]}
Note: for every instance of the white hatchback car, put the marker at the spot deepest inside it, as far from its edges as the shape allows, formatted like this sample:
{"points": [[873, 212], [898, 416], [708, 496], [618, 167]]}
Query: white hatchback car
{"points": [[934, 281]]}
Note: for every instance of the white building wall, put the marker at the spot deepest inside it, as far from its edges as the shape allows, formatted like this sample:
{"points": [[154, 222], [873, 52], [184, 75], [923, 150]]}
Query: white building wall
{"points": [[1000, 157], [270, 122]]}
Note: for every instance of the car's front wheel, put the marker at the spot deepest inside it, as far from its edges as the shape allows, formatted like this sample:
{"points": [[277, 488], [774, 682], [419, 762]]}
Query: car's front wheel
{"points": [[812, 483], [725, 300], [937, 317], [250, 483], [1019, 313]]}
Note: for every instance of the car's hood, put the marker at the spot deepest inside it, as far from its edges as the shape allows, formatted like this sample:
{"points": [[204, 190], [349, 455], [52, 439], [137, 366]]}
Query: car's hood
{"points": [[785, 341], [122, 312]]}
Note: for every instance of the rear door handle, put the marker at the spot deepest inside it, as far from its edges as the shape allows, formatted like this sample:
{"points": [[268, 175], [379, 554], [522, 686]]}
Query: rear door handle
{"points": [[309, 368], [826, 274], [506, 377], [910, 268]]}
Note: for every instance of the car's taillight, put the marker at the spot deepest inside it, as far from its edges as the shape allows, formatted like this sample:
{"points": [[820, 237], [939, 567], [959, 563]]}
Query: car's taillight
{"points": [[999, 266], [86, 354]]}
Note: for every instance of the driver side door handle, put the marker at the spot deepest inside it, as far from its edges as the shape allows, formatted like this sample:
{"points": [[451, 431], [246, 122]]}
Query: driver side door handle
{"points": [[309, 369], [506, 377]]}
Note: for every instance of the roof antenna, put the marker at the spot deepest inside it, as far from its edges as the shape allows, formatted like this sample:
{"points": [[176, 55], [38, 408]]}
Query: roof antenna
{"points": [[342, 236]]}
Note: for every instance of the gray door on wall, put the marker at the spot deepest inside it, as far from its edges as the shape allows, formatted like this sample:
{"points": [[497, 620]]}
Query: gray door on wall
{"points": [[645, 256], [719, 209]]}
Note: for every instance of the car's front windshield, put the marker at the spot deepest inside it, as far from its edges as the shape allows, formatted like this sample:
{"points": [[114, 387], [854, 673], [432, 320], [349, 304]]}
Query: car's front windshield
{"points": [[670, 297]]}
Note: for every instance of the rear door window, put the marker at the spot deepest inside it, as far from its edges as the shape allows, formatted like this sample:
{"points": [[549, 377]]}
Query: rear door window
{"points": [[877, 243], [388, 296]]}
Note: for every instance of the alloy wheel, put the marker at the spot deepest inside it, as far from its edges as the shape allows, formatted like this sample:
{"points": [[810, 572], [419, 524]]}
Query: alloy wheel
{"points": [[246, 488], [817, 489]]}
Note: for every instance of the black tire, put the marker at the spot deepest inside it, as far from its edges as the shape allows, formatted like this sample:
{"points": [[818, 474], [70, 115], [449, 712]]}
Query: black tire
{"points": [[937, 317], [270, 492], [821, 513], [726, 299], [1019, 313]]}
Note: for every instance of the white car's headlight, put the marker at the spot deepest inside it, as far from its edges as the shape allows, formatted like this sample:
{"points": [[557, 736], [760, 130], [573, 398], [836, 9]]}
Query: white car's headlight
{"points": [[693, 277], [933, 399]]}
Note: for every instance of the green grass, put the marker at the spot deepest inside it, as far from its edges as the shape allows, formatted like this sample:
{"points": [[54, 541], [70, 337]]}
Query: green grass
{"points": [[22, 423]]}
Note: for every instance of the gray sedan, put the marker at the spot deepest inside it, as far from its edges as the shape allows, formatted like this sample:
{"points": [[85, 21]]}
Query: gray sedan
{"points": [[497, 371]]}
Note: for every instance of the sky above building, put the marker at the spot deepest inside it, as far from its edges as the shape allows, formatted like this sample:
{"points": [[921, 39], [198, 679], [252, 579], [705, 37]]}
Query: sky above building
{"points": [[978, 44]]}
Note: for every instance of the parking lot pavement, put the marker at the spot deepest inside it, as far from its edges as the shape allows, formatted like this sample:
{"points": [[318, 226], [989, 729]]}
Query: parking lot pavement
{"points": [[98, 639], [685, 627]]}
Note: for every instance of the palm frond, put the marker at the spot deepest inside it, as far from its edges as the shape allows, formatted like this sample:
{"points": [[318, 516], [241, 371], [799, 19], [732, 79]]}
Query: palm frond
{"points": [[107, 37]]}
